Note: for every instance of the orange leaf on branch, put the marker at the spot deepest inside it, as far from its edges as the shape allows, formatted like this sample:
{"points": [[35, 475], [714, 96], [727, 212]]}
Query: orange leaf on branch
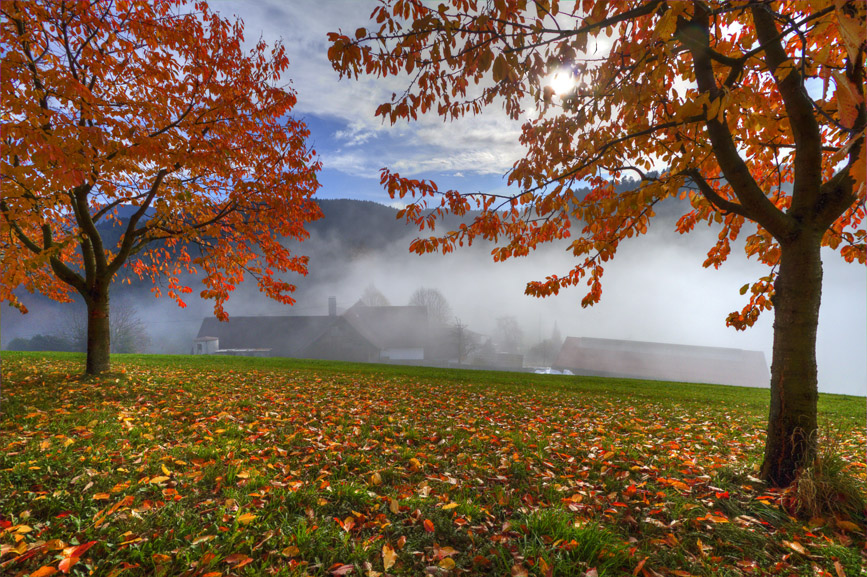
{"points": [[700, 97]]}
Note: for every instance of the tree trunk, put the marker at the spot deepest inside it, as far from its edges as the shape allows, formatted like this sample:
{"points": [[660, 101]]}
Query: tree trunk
{"points": [[98, 334], [791, 438]]}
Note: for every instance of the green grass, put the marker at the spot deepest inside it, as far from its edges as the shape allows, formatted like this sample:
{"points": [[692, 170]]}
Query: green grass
{"points": [[250, 466]]}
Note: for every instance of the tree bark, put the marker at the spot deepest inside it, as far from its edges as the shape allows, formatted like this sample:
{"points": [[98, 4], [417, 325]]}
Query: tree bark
{"points": [[98, 333], [791, 438]]}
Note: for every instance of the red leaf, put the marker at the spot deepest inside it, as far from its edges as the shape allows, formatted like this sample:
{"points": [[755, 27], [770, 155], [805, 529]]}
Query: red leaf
{"points": [[81, 549], [66, 564]]}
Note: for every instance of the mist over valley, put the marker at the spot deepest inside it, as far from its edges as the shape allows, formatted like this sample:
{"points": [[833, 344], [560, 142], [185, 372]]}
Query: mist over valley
{"points": [[654, 290]]}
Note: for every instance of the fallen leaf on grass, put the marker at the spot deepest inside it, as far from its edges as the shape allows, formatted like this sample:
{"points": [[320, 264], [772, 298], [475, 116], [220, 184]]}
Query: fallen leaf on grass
{"points": [[238, 560], [795, 547], [849, 526], [389, 557], [428, 526], [442, 552], [202, 539], [66, 564], [342, 570], [246, 518], [44, 571]]}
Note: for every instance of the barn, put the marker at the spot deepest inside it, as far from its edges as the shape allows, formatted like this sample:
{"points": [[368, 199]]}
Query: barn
{"points": [[361, 334], [663, 362]]}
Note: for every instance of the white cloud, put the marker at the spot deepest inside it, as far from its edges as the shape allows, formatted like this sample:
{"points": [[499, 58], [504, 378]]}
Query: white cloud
{"points": [[482, 145]]}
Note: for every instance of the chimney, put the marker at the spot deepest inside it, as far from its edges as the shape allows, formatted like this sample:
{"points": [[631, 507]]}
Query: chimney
{"points": [[332, 306]]}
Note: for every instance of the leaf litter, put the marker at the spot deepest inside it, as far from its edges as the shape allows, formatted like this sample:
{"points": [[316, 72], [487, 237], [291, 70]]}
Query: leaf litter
{"points": [[197, 469]]}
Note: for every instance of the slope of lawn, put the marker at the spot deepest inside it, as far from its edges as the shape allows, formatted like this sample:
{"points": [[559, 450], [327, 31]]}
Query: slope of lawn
{"points": [[231, 466]]}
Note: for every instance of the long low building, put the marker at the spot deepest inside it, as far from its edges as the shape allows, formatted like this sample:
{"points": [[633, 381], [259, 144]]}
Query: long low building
{"points": [[663, 362]]}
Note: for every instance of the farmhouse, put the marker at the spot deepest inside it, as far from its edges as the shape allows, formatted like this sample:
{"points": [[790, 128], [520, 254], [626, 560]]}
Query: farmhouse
{"points": [[361, 334], [665, 362]]}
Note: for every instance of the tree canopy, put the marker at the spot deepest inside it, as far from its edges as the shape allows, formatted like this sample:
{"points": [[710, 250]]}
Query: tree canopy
{"points": [[148, 119], [752, 111]]}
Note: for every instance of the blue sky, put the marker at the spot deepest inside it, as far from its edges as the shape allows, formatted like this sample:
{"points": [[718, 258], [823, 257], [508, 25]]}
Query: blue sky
{"points": [[655, 290], [353, 144]]}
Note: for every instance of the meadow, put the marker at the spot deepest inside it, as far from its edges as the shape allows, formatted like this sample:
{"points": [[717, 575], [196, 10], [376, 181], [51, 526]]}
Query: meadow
{"points": [[213, 466]]}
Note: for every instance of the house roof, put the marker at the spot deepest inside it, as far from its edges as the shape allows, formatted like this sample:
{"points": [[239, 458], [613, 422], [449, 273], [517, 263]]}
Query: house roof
{"points": [[290, 336], [661, 361], [286, 336], [390, 327]]}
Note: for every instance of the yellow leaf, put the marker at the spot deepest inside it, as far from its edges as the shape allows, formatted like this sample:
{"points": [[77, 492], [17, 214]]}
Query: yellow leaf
{"points": [[55, 545], [159, 558], [450, 506], [376, 479], [101, 497], [848, 99], [203, 539], [291, 551], [714, 108], [501, 68], [389, 557], [795, 547], [166, 470], [785, 68], [849, 526], [851, 25], [394, 506], [246, 518], [159, 479], [447, 563]]}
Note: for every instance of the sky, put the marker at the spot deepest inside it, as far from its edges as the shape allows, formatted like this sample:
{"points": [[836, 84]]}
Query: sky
{"points": [[653, 291]]}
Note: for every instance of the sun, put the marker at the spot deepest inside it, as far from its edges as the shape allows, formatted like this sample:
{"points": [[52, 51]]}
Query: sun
{"points": [[562, 82]]}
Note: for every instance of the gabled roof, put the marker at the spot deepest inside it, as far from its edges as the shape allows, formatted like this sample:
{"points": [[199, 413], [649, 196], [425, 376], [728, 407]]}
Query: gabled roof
{"points": [[390, 327], [286, 336], [661, 361]]}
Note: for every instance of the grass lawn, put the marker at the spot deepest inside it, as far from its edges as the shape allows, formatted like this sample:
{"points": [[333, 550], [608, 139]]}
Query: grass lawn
{"points": [[234, 466]]}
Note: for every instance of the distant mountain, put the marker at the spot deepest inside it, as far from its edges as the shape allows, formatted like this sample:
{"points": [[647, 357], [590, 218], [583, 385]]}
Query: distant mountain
{"points": [[348, 230]]}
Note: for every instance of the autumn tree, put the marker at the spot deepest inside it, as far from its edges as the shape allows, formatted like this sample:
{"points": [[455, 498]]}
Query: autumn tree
{"points": [[437, 305], [140, 136], [752, 110]]}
